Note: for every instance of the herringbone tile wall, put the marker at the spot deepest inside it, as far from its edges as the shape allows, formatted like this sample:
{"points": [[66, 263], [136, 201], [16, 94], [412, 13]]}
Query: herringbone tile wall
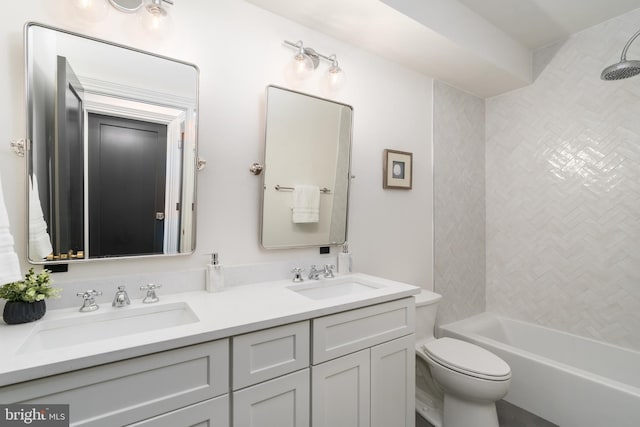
{"points": [[563, 192], [459, 213]]}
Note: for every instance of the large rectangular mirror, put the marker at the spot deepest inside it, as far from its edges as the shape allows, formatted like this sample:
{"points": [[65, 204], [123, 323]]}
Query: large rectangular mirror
{"points": [[112, 152], [307, 170]]}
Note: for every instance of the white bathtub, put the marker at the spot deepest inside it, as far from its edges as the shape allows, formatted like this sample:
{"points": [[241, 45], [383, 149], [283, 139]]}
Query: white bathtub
{"points": [[569, 380]]}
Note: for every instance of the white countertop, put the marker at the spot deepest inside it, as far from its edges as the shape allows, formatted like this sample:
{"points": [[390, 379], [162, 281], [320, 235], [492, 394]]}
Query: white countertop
{"points": [[233, 311]]}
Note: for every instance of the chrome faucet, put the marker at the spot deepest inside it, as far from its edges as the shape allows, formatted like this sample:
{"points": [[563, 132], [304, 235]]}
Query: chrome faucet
{"points": [[121, 299], [151, 293], [297, 275], [326, 271], [314, 273], [89, 300]]}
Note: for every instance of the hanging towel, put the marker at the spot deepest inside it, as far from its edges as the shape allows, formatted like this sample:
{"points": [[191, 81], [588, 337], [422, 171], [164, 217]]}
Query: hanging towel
{"points": [[306, 204], [9, 264], [39, 240]]}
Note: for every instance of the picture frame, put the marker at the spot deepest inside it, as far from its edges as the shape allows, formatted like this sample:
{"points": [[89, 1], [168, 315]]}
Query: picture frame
{"points": [[397, 170]]}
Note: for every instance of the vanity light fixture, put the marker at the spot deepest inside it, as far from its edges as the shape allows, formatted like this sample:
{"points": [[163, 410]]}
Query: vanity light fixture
{"points": [[306, 60]]}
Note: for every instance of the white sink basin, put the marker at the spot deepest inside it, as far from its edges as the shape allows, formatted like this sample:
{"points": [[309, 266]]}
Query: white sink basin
{"points": [[334, 288], [85, 328]]}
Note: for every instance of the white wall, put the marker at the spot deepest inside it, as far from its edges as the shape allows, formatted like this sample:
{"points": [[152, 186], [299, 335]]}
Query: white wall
{"points": [[563, 192], [239, 50]]}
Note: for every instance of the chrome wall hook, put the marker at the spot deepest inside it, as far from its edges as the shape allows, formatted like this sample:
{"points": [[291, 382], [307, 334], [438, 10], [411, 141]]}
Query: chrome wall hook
{"points": [[18, 146], [256, 168], [200, 164]]}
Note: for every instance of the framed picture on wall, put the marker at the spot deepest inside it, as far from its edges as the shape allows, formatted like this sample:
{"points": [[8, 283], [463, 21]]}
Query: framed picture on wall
{"points": [[397, 170]]}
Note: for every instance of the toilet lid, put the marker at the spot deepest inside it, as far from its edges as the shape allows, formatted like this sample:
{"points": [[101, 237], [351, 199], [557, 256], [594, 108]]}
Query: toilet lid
{"points": [[467, 358]]}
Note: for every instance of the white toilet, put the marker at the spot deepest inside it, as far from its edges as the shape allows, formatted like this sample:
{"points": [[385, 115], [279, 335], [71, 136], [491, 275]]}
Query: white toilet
{"points": [[470, 378]]}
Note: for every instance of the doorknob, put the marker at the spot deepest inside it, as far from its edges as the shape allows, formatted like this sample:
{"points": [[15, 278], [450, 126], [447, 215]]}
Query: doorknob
{"points": [[159, 216]]}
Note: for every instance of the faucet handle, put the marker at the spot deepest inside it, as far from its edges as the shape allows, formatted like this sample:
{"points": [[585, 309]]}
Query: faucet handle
{"points": [[89, 293], [314, 272], [151, 293], [88, 300], [297, 275], [328, 270]]}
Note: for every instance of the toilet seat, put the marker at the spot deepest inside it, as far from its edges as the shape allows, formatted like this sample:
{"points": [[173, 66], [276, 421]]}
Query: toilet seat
{"points": [[466, 358]]}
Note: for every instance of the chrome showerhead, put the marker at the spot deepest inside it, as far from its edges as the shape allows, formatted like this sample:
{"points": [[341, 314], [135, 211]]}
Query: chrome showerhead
{"points": [[623, 69]]}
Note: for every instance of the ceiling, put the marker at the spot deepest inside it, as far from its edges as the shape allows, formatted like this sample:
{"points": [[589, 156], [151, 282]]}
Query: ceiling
{"points": [[481, 46], [538, 23]]}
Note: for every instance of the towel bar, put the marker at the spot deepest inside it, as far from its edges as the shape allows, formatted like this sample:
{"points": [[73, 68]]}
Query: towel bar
{"points": [[282, 188]]}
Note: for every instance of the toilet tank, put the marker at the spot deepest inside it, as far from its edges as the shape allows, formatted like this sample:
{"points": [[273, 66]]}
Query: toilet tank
{"points": [[426, 309]]}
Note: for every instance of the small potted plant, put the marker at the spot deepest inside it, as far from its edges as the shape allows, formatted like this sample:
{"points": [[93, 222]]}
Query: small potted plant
{"points": [[25, 299]]}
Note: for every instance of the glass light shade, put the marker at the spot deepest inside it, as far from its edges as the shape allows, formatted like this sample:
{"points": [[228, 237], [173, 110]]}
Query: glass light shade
{"points": [[335, 78], [155, 19], [91, 10], [302, 66]]}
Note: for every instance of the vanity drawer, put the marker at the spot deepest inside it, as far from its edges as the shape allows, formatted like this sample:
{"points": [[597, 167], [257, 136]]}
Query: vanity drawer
{"points": [[269, 353], [350, 331], [131, 390]]}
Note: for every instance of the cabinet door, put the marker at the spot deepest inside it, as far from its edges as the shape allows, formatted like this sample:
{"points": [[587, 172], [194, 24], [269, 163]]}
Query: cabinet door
{"points": [[393, 383], [210, 413], [340, 392], [281, 402]]}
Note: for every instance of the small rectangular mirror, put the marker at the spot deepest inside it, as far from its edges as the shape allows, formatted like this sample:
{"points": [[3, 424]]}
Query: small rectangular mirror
{"points": [[112, 151], [307, 170]]}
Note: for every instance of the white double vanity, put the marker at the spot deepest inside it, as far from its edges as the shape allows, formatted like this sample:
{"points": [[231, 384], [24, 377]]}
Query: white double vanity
{"points": [[332, 352]]}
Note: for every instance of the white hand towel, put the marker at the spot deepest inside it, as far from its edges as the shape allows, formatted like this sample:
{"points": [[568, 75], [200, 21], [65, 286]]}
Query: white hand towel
{"points": [[9, 264], [39, 240], [306, 204]]}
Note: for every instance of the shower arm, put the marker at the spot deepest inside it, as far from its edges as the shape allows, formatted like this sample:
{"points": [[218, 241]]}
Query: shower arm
{"points": [[623, 56]]}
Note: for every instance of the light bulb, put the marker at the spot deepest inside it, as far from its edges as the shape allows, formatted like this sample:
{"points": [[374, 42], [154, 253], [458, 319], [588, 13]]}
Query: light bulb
{"points": [[335, 76], [91, 10], [155, 18], [300, 68]]}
